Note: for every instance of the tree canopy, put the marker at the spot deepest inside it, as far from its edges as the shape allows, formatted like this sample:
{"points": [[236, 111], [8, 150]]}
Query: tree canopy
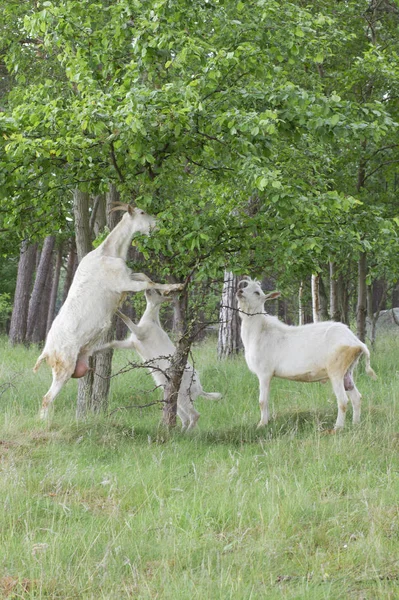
{"points": [[263, 134]]}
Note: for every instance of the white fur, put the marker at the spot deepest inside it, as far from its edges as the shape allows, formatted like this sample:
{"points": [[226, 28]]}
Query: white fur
{"points": [[154, 345], [314, 352], [101, 280]]}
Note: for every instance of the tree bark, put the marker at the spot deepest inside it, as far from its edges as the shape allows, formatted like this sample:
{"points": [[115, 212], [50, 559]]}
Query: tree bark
{"points": [[70, 268], [301, 310], [81, 203], [315, 298], [39, 331], [177, 366], [324, 316], [179, 314], [40, 282], [19, 317], [93, 389], [54, 289], [229, 338], [361, 309], [334, 304]]}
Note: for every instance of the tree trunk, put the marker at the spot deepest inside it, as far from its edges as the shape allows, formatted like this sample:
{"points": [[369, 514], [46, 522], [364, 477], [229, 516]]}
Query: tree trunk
{"points": [[301, 310], [361, 309], [39, 332], [229, 339], [343, 299], [177, 366], [334, 303], [19, 317], [93, 389], [102, 373], [315, 298], [324, 316], [179, 314], [81, 203], [40, 282], [70, 268], [54, 289]]}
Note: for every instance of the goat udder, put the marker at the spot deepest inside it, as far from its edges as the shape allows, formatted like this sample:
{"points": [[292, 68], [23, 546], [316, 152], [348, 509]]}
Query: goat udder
{"points": [[81, 369], [349, 384]]}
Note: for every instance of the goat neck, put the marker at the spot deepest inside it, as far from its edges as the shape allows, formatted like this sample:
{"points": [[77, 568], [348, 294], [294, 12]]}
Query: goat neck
{"points": [[119, 239], [151, 314]]}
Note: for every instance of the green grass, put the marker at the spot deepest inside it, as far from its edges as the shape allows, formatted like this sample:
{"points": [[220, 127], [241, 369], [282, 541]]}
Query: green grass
{"points": [[115, 507]]}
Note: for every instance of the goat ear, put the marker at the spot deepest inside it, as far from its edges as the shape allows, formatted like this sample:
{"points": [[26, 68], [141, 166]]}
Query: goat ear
{"points": [[243, 283], [272, 295]]}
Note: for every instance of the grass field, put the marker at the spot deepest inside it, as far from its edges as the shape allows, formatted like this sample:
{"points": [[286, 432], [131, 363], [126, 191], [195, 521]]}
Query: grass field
{"points": [[115, 507]]}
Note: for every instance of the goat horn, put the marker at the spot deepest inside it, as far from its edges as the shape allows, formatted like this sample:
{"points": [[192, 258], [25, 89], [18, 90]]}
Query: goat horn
{"points": [[122, 206]]}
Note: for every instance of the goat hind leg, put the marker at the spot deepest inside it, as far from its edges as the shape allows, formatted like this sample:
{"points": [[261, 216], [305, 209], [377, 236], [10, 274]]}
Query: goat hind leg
{"points": [[59, 379], [342, 400]]}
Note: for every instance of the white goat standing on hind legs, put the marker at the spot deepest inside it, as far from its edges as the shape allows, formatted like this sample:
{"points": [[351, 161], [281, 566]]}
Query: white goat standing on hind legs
{"points": [[156, 348], [315, 352], [98, 288]]}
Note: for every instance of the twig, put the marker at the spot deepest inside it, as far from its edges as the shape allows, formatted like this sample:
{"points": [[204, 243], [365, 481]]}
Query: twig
{"points": [[136, 406]]}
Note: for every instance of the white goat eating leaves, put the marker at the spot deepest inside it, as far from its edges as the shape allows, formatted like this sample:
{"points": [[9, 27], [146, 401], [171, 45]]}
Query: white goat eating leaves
{"points": [[315, 352], [98, 288], [156, 348]]}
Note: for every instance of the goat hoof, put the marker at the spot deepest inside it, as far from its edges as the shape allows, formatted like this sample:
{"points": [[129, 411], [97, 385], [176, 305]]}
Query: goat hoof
{"points": [[261, 425]]}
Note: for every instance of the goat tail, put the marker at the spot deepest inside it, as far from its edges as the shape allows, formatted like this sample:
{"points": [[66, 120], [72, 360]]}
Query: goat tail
{"points": [[370, 372], [211, 395], [39, 361]]}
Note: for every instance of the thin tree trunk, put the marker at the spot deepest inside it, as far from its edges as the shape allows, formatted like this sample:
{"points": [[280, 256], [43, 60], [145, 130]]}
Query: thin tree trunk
{"points": [[40, 282], [102, 373], [301, 310], [229, 338], [81, 204], [70, 268], [54, 289], [315, 298], [177, 366], [361, 309], [19, 317], [96, 391], [324, 316], [334, 304], [343, 299], [39, 332]]}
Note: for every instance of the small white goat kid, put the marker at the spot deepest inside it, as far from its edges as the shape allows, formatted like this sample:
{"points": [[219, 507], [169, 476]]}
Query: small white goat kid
{"points": [[154, 346], [99, 286], [314, 352]]}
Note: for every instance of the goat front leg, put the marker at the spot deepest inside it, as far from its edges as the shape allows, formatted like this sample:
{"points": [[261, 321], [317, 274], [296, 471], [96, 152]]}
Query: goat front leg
{"points": [[116, 345], [140, 285], [264, 386]]}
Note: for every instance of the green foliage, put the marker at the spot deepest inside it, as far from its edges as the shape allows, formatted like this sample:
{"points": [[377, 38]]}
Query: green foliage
{"points": [[244, 128], [5, 309]]}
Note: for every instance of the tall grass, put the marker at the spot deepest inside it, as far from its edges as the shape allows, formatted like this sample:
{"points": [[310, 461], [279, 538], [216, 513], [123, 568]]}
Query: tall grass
{"points": [[116, 507]]}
